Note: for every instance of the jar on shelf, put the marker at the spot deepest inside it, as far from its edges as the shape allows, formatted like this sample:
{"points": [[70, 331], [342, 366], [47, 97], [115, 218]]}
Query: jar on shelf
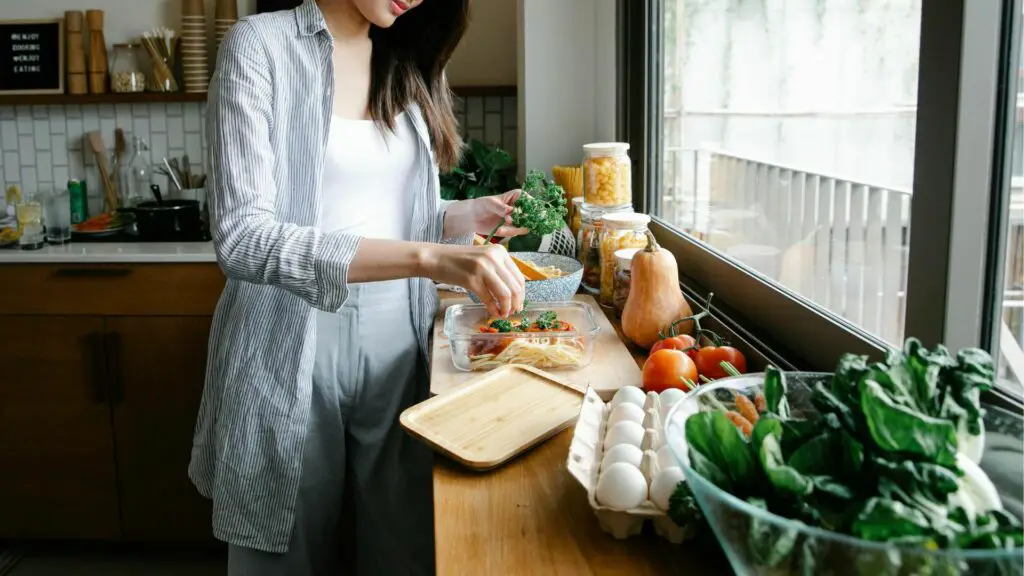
{"points": [[126, 73], [623, 278], [577, 219], [618, 231], [607, 174], [588, 243]]}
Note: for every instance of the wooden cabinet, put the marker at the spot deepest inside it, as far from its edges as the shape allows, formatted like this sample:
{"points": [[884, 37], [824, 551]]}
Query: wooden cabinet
{"points": [[56, 440], [157, 366], [101, 374]]}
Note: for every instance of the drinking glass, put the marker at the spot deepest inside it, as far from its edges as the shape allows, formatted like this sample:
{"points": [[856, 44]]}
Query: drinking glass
{"points": [[57, 216]]}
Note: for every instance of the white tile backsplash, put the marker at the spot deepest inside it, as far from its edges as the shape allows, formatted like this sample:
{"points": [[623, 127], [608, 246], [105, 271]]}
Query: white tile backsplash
{"points": [[42, 146]]}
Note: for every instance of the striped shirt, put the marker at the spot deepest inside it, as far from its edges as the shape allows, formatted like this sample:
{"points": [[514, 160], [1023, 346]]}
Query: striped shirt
{"points": [[269, 113]]}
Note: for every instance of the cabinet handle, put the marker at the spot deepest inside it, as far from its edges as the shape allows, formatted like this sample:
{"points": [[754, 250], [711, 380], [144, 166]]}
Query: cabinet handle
{"points": [[92, 272], [99, 355], [113, 349]]}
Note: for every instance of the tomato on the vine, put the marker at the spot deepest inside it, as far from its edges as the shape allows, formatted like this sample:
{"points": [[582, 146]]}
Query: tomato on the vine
{"points": [[669, 368], [709, 361], [683, 343]]}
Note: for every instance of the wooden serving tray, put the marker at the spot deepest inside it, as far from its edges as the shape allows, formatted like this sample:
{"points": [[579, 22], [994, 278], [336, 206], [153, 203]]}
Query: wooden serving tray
{"points": [[496, 417]]}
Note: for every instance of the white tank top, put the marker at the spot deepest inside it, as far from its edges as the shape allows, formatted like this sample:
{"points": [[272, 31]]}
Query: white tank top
{"points": [[369, 181]]}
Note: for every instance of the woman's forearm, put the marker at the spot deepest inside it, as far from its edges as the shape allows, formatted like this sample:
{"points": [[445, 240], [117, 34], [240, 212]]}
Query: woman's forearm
{"points": [[379, 260]]}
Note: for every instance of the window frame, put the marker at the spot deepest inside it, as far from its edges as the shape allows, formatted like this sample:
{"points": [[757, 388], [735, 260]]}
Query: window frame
{"points": [[955, 157]]}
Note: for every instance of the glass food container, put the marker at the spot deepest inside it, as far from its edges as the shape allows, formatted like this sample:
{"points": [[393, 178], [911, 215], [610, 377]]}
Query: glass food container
{"points": [[576, 222], [618, 231], [588, 243], [126, 73], [623, 278], [473, 350], [607, 174]]}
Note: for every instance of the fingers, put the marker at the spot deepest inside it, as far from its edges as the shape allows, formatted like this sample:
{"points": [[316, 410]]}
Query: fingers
{"points": [[511, 231], [501, 281], [516, 283]]}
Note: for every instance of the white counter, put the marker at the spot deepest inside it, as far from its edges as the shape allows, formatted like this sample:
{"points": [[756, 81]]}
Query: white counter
{"points": [[98, 252]]}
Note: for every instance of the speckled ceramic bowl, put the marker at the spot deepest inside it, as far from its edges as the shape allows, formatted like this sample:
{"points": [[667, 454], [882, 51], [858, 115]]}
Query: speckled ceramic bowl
{"points": [[561, 289]]}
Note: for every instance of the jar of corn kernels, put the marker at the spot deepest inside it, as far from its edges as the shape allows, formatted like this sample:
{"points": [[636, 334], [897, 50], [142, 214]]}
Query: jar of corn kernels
{"points": [[607, 174], [618, 231]]}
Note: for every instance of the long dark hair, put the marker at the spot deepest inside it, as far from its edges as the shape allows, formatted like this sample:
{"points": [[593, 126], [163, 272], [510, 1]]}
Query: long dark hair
{"points": [[408, 65]]}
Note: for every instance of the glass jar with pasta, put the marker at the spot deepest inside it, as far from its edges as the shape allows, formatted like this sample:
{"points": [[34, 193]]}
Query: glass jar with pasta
{"points": [[623, 278], [618, 231], [607, 174], [588, 243]]}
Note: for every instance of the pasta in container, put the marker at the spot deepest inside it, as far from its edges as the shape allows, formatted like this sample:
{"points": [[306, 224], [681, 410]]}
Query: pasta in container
{"points": [[548, 336]]}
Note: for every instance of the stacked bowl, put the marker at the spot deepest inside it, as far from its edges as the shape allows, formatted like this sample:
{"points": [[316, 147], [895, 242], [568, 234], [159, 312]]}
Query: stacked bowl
{"points": [[224, 18], [194, 47]]}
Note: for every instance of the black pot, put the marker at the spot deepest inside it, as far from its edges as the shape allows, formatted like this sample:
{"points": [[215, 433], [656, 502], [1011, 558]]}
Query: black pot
{"points": [[169, 220]]}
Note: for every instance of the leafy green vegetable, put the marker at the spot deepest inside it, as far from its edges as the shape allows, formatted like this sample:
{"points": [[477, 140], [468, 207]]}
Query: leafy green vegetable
{"points": [[483, 171], [775, 392], [540, 208], [715, 439], [898, 429], [682, 506], [546, 320], [878, 461], [502, 325], [784, 478]]}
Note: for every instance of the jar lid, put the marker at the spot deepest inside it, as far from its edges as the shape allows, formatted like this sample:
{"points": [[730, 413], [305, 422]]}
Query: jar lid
{"points": [[605, 148], [577, 201], [624, 256], [626, 220], [597, 211]]}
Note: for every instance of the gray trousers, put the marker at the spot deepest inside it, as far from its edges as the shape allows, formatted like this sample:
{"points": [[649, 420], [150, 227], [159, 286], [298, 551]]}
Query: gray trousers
{"points": [[365, 503]]}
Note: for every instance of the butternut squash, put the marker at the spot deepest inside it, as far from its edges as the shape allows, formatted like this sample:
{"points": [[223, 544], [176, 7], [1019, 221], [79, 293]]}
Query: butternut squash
{"points": [[655, 300]]}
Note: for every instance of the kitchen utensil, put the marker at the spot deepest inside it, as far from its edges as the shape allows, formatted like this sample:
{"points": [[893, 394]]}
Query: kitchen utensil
{"points": [[74, 23], [186, 168], [611, 368], [119, 148], [168, 220], [99, 150], [586, 452], [97, 52], [173, 173], [155, 189], [558, 289], [496, 417]]}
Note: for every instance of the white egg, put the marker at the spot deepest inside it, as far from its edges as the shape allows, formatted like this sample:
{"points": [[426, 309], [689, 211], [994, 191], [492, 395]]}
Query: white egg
{"points": [[630, 395], [622, 453], [622, 487], [664, 484], [666, 458], [624, 433], [670, 397], [626, 413]]}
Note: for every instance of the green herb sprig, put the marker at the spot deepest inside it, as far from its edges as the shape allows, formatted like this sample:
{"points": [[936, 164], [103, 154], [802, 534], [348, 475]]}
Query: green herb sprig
{"points": [[540, 208]]}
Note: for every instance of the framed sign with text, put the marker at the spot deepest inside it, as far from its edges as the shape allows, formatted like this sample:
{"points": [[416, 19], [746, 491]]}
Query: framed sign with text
{"points": [[32, 56]]}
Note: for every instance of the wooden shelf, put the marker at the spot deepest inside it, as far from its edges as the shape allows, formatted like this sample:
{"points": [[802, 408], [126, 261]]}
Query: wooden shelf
{"points": [[109, 98], [161, 97]]}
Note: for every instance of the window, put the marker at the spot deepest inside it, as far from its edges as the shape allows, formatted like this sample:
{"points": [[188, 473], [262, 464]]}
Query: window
{"points": [[1008, 302], [833, 171]]}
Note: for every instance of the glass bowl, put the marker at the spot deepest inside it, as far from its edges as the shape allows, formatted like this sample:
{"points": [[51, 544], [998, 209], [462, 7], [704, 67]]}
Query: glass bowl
{"points": [[759, 542]]}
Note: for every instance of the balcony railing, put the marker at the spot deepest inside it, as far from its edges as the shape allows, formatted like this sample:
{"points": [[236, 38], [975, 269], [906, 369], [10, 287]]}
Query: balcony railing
{"points": [[840, 243]]}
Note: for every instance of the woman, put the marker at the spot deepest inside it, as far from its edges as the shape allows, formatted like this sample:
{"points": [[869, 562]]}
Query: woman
{"points": [[327, 125]]}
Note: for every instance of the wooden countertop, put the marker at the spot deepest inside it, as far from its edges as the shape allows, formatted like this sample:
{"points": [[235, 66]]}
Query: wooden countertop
{"points": [[531, 517]]}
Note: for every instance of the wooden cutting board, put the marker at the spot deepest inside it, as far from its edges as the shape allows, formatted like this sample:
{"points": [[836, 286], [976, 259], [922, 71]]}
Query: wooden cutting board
{"points": [[612, 368], [497, 416]]}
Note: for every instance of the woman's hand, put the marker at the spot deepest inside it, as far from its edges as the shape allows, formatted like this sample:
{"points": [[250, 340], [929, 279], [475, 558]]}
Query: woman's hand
{"points": [[496, 211], [487, 271]]}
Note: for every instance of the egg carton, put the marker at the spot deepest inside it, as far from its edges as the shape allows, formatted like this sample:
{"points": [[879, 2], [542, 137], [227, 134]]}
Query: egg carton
{"points": [[586, 452]]}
